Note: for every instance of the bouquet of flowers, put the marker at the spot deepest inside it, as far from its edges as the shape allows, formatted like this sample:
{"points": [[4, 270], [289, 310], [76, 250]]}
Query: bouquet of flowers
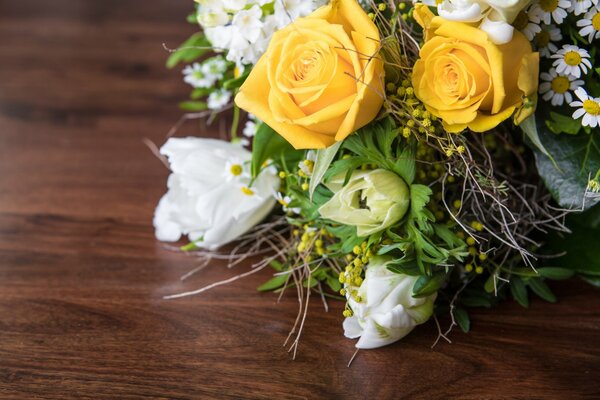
{"points": [[409, 159]]}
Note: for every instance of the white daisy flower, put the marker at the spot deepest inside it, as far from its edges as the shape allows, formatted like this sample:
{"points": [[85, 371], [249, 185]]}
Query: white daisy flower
{"points": [[527, 27], [547, 10], [307, 165], [572, 60], [579, 6], [236, 169], [285, 202], [215, 67], [218, 99], [195, 76], [590, 108], [556, 87], [545, 38], [590, 25]]}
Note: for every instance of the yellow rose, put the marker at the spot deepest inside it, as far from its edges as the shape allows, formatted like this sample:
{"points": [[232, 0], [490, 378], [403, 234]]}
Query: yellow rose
{"points": [[468, 81], [320, 78]]}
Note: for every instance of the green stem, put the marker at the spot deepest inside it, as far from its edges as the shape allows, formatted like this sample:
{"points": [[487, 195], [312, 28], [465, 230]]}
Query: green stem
{"points": [[236, 122]]}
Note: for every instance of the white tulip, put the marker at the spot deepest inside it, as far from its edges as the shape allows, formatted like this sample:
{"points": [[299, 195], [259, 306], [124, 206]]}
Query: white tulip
{"points": [[208, 197], [387, 311]]}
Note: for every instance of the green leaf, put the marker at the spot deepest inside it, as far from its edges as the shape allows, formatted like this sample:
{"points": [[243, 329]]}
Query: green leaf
{"points": [[427, 285], [200, 92], [236, 82], [267, 144], [322, 163], [542, 290], [273, 283], [462, 319], [405, 165], [577, 157], [555, 273], [193, 106], [530, 129], [519, 291], [190, 50], [582, 250], [591, 279], [475, 301], [563, 124]]}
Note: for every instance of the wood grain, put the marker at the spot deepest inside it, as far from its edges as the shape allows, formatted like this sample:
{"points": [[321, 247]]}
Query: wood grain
{"points": [[82, 82]]}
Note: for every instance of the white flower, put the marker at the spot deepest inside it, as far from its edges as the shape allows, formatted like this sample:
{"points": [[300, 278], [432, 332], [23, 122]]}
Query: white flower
{"points": [[590, 108], [547, 10], [556, 87], [545, 38], [580, 6], [202, 201], [234, 5], [218, 99], [249, 23], [195, 76], [215, 67], [590, 25], [383, 306], [249, 129], [307, 165], [527, 27], [219, 36], [285, 202], [572, 60]]}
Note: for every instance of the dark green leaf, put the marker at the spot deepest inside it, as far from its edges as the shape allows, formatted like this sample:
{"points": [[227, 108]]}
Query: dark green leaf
{"points": [[267, 144], [541, 289], [555, 273], [577, 157], [462, 319], [519, 291], [236, 82], [475, 301], [426, 285], [582, 250], [273, 283], [563, 124], [591, 279]]}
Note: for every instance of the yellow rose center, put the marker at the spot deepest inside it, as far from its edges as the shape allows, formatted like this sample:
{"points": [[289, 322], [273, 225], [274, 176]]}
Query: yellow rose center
{"points": [[543, 38], [596, 21], [572, 58], [560, 84], [591, 107], [521, 21], [236, 170], [549, 5]]}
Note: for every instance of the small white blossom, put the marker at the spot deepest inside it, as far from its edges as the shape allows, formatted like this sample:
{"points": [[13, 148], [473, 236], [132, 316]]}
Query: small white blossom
{"points": [[572, 60], [548, 10], [286, 11], [589, 108], [285, 202], [194, 75], [218, 99], [248, 23], [531, 30], [545, 39], [307, 165], [580, 6], [249, 129], [590, 25], [556, 87]]}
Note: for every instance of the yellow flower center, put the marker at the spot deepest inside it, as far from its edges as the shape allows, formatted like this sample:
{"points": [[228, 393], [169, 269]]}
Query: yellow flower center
{"points": [[572, 58], [560, 84], [596, 21], [591, 107], [236, 170], [543, 38], [549, 5], [521, 21], [247, 191]]}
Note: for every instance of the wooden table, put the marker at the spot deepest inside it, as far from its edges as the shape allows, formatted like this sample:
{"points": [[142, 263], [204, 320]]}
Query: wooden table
{"points": [[82, 82]]}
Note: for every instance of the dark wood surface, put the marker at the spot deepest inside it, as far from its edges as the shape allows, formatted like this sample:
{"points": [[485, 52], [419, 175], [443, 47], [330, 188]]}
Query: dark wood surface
{"points": [[82, 82]]}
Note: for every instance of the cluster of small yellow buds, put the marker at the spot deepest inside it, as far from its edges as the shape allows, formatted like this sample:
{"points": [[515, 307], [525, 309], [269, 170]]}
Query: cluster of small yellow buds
{"points": [[351, 277], [282, 174], [478, 226], [478, 256], [594, 185]]}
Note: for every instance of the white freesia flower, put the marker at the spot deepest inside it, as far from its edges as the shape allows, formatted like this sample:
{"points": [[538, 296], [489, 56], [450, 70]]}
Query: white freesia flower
{"points": [[208, 197], [387, 311], [249, 23], [218, 99]]}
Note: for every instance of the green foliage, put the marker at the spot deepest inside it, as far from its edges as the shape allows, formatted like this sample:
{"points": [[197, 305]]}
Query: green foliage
{"points": [[559, 123], [268, 144], [462, 319], [193, 106], [193, 48], [322, 163], [576, 158], [427, 285]]}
